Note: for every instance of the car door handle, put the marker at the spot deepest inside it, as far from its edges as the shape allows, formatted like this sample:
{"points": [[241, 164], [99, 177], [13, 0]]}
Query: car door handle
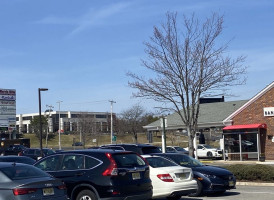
{"points": [[79, 174]]}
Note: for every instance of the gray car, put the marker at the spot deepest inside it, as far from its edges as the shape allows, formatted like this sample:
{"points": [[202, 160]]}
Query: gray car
{"points": [[26, 182]]}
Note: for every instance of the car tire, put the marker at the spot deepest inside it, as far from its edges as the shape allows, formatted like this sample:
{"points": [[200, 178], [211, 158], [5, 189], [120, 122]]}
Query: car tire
{"points": [[209, 154], [86, 195], [199, 190], [174, 198]]}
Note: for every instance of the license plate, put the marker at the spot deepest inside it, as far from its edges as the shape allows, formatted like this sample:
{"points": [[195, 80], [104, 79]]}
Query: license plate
{"points": [[136, 175], [181, 176], [48, 191], [231, 183]]}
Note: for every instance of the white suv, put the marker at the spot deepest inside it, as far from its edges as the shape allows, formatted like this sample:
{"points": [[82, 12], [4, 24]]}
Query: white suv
{"points": [[206, 151]]}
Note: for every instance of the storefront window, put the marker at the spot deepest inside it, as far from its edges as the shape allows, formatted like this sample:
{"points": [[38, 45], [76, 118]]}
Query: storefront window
{"points": [[249, 142], [232, 143]]}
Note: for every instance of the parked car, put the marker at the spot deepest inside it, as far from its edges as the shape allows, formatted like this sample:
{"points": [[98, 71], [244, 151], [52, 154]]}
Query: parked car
{"points": [[137, 148], [24, 182], [206, 151], [100, 174], [170, 180], [77, 144], [35, 153], [210, 179], [17, 159], [13, 150], [175, 149]]}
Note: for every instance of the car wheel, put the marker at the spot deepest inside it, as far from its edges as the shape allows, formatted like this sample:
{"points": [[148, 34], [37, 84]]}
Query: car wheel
{"points": [[174, 198], [199, 190], [86, 195], [209, 154]]}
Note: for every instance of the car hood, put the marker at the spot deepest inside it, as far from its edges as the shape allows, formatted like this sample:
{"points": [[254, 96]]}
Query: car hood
{"points": [[211, 170]]}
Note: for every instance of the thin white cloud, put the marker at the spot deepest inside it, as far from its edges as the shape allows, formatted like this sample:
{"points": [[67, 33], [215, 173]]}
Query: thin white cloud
{"points": [[97, 17], [91, 18]]}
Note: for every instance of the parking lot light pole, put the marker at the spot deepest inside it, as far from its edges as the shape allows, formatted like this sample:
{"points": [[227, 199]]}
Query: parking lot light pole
{"points": [[59, 131], [111, 121], [40, 119]]}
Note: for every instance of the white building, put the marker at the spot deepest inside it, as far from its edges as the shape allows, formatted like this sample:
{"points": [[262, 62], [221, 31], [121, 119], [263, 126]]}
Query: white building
{"points": [[69, 121]]}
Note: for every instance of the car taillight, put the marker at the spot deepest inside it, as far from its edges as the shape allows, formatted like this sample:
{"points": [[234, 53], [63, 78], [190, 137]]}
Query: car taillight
{"points": [[112, 168], [22, 191], [20, 153], [62, 187], [165, 177]]}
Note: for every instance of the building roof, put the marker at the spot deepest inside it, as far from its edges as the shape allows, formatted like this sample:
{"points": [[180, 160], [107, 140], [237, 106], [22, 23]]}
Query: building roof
{"points": [[245, 126], [211, 114], [228, 120]]}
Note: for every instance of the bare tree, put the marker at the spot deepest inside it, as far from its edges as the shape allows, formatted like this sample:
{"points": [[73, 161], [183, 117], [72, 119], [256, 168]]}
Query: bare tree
{"points": [[187, 63], [87, 126], [132, 120]]}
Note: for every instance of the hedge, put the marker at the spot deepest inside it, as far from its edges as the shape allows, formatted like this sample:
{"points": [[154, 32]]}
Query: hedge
{"points": [[256, 172]]}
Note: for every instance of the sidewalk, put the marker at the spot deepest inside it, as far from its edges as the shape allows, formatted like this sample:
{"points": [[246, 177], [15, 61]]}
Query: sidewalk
{"points": [[262, 184], [229, 162]]}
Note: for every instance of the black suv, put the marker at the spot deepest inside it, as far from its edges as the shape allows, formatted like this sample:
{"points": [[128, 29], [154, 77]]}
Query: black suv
{"points": [[137, 148], [35, 153], [14, 149], [104, 174]]}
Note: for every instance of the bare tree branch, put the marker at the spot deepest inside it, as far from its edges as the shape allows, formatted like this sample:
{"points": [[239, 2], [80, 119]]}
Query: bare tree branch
{"points": [[187, 62]]}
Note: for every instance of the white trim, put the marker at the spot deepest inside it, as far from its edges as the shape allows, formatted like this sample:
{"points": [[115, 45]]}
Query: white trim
{"points": [[229, 118]]}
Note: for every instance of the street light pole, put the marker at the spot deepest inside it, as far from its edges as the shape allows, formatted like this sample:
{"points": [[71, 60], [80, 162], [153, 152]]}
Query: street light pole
{"points": [[111, 120], [59, 131], [49, 124], [40, 119]]}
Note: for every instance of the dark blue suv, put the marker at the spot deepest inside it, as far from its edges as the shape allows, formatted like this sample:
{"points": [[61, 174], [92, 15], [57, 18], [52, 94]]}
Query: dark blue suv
{"points": [[104, 174]]}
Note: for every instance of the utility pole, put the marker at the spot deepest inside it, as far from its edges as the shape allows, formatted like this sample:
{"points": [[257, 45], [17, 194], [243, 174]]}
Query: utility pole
{"points": [[163, 125], [111, 120], [59, 131], [50, 108]]}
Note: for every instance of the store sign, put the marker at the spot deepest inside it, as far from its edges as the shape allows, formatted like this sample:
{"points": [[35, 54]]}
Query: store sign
{"points": [[269, 112], [7, 108]]}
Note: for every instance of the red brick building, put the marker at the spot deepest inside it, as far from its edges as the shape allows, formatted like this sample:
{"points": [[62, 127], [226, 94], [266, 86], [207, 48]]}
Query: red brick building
{"points": [[252, 126]]}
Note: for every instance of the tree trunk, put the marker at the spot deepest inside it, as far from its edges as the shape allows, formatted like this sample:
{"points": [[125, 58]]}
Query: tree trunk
{"points": [[190, 142]]}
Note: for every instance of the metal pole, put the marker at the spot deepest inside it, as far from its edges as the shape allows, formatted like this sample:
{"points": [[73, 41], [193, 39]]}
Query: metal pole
{"points": [[111, 120], [50, 107], [164, 135], [59, 131], [40, 119]]}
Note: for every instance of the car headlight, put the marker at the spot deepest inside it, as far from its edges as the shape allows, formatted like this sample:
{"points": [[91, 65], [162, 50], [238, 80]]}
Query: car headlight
{"points": [[210, 176]]}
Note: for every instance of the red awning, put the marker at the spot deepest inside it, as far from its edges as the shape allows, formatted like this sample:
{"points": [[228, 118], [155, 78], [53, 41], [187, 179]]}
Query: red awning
{"points": [[245, 126]]}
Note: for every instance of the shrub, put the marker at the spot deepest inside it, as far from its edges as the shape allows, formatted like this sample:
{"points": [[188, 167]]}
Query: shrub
{"points": [[252, 172]]}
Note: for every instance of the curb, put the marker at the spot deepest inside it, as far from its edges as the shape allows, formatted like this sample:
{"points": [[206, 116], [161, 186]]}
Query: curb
{"points": [[254, 184]]}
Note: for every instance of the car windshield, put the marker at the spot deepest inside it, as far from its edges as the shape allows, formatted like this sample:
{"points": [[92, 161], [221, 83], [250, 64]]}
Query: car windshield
{"points": [[179, 149], [16, 172], [156, 162], [48, 151], [185, 160], [207, 146]]}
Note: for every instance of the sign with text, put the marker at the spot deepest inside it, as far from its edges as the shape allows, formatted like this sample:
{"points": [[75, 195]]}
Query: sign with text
{"points": [[269, 112], [8, 108]]}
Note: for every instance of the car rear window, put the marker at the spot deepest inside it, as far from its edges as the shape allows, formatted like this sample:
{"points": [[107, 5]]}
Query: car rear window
{"points": [[149, 150], [128, 160], [156, 162], [22, 172]]}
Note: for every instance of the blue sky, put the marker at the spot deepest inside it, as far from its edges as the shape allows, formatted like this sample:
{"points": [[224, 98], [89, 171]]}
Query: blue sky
{"points": [[81, 49]]}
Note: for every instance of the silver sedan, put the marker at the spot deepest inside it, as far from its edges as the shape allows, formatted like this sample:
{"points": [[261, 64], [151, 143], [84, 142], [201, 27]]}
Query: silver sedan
{"points": [[26, 182]]}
